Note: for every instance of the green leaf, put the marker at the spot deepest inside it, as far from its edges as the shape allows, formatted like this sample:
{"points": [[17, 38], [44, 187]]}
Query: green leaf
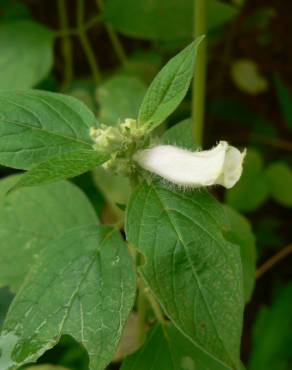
{"points": [[26, 54], [120, 97], [279, 176], [45, 367], [164, 20], [239, 232], [191, 269], [83, 285], [37, 125], [30, 217], [63, 166], [169, 87], [168, 349], [285, 100], [252, 189], [180, 135], [272, 335]]}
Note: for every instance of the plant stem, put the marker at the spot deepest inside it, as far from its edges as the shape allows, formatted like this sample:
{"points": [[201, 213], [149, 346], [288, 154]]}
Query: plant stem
{"points": [[117, 45], [274, 260], [66, 43], [199, 82], [85, 43]]}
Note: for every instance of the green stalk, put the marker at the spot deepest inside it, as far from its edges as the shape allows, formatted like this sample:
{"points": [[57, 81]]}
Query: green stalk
{"points": [[66, 46], [85, 43], [117, 45], [199, 82]]}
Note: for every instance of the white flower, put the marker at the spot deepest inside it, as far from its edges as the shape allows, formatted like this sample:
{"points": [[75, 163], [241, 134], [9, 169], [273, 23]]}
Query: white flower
{"points": [[221, 165]]}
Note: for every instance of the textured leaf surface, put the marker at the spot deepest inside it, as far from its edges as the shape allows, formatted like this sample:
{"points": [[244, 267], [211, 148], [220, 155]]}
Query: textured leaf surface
{"points": [[138, 18], [26, 54], [239, 232], [192, 270], [279, 177], [30, 217], [83, 284], [120, 97], [36, 125], [272, 334], [63, 166], [169, 87], [180, 135], [168, 349]]}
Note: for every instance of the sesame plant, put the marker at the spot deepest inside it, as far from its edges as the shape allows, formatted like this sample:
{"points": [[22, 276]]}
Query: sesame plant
{"points": [[172, 265]]}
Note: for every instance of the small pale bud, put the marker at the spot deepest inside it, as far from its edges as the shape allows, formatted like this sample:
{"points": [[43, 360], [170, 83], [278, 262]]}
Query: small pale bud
{"points": [[221, 165]]}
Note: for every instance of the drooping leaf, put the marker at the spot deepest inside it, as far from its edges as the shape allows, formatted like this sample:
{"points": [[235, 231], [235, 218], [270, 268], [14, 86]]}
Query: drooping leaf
{"points": [[37, 125], [26, 54], [279, 177], [180, 135], [83, 285], [191, 269], [169, 87], [120, 97], [163, 19], [252, 189], [30, 217], [239, 232], [285, 100], [272, 334], [168, 349], [63, 166]]}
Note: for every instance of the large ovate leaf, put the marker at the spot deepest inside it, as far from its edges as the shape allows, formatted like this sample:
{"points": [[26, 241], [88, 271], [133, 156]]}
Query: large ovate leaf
{"points": [[63, 166], [163, 19], [30, 217], [26, 54], [272, 334], [119, 98], [83, 285], [37, 125], [169, 87], [192, 270], [240, 232], [168, 349]]}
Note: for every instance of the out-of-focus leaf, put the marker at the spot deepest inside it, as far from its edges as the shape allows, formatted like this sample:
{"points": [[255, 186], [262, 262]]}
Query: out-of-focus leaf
{"points": [[30, 217], [120, 97], [12, 10], [252, 189], [272, 334], [167, 349], [180, 135], [285, 100], [246, 76], [240, 233], [5, 300], [279, 176], [26, 54], [163, 19], [45, 367]]}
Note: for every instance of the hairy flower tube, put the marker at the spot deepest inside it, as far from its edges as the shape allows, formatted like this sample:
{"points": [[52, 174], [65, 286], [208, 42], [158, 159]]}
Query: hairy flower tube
{"points": [[221, 165]]}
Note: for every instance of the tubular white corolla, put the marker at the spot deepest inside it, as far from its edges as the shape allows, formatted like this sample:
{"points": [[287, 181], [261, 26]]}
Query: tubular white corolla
{"points": [[221, 165]]}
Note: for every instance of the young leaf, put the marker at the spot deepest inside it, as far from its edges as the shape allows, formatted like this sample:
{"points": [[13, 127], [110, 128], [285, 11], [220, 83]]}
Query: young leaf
{"points": [[272, 335], [26, 54], [169, 87], [37, 125], [240, 232], [170, 350], [165, 20], [83, 285], [30, 217], [191, 269], [63, 166]]}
